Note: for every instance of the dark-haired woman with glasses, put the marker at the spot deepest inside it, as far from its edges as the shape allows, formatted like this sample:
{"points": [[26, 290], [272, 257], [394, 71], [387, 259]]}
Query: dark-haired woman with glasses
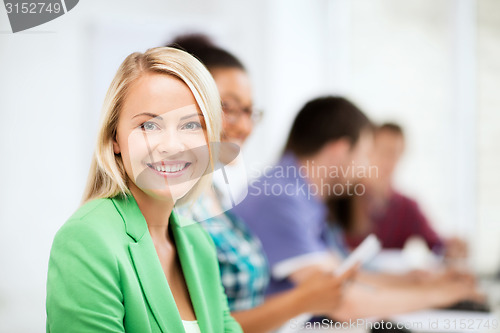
{"points": [[243, 264]]}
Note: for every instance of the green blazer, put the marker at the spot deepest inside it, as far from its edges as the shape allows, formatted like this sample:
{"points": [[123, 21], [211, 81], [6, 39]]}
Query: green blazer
{"points": [[105, 276]]}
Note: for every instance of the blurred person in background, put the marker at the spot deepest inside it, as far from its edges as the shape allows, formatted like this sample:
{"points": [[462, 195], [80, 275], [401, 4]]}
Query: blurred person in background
{"points": [[390, 215], [243, 264], [328, 145]]}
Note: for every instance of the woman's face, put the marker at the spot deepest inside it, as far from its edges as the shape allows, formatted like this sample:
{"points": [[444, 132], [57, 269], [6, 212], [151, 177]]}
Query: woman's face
{"points": [[388, 149], [236, 95], [161, 137]]}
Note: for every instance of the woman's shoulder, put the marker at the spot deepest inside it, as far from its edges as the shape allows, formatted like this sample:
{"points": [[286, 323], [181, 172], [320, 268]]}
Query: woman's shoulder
{"points": [[92, 221], [87, 242], [94, 208]]}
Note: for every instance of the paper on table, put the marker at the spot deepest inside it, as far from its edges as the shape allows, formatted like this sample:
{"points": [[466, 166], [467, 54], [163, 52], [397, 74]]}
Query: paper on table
{"points": [[361, 255]]}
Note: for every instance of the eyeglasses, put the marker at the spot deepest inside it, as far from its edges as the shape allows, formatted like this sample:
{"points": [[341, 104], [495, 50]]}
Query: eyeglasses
{"points": [[233, 112]]}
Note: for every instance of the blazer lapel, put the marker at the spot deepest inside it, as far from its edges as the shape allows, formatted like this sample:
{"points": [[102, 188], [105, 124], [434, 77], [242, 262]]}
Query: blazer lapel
{"points": [[148, 267], [207, 317]]}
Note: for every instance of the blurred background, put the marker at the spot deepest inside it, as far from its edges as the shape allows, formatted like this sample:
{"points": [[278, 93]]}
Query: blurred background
{"points": [[431, 65]]}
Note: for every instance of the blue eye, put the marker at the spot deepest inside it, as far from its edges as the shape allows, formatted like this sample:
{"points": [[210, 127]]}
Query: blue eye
{"points": [[149, 126], [192, 125]]}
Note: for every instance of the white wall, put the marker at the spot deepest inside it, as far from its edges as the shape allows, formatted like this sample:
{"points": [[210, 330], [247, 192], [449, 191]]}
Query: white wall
{"points": [[396, 59], [402, 69], [487, 156]]}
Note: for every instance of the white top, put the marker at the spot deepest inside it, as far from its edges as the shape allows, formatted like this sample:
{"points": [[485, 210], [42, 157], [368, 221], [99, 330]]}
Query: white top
{"points": [[191, 326]]}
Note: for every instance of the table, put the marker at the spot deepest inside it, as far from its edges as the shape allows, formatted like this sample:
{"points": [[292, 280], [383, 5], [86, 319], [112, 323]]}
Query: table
{"points": [[423, 321]]}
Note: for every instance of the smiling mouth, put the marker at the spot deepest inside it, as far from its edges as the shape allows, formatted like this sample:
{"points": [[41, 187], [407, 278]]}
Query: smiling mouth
{"points": [[168, 168]]}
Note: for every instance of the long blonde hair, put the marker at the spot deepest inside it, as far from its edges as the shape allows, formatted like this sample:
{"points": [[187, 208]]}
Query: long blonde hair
{"points": [[107, 177]]}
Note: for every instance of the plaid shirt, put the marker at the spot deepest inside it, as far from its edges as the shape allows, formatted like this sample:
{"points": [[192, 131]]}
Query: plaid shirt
{"points": [[243, 264]]}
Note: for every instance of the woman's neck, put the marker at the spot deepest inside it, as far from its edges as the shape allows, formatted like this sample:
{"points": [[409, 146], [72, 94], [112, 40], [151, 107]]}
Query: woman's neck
{"points": [[156, 212]]}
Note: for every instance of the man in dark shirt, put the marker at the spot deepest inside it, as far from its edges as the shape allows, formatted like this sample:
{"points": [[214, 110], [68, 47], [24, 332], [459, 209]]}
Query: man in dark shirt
{"points": [[394, 217]]}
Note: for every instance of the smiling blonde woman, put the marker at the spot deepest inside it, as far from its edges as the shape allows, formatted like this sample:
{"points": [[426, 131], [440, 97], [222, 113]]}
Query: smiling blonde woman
{"points": [[124, 261]]}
